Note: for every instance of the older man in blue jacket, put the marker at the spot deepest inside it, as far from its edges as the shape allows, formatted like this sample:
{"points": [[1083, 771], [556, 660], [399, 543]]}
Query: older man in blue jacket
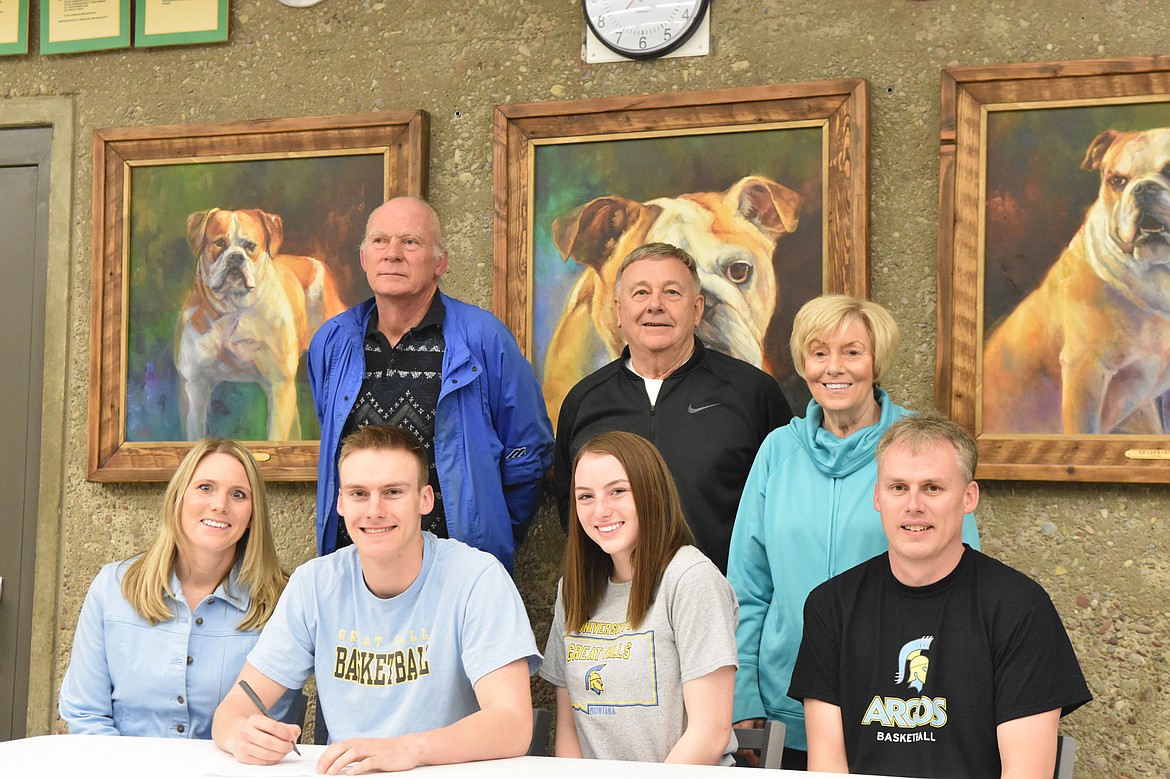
{"points": [[449, 372]]}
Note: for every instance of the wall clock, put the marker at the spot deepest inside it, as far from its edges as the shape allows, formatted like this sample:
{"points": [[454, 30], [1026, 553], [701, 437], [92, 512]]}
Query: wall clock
{"points": [[644, 29]]}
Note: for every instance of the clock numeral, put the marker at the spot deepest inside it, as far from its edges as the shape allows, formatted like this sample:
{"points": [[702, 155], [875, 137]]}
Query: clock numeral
{"points": [[662, 21]]}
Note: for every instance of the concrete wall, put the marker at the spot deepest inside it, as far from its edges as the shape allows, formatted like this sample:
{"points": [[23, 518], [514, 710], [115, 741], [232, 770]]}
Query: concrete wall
{"points": [[1097, 548]]}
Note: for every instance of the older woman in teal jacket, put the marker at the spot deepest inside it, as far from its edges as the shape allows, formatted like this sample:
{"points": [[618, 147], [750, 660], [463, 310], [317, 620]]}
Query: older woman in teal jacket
{"points": [[807, 509]]}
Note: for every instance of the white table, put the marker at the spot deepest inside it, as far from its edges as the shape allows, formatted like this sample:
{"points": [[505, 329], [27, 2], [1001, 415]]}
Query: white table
{"points": [[114, 757]]}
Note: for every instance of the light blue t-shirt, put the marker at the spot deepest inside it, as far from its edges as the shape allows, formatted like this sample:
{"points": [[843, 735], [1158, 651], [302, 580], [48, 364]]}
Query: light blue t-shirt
{"points": [[390, 666], [132, 678]]}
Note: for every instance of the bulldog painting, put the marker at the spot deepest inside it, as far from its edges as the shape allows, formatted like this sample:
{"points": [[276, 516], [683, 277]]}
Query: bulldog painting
{"points": [[248, 317], [732, 235], [1086, 352]]}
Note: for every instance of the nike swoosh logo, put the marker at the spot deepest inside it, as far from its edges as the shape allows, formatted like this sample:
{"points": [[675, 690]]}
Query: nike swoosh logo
{"points": [[693, 409]]}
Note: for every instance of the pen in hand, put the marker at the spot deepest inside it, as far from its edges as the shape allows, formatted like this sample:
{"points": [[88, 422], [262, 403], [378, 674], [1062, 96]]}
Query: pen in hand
{"points": [[260, 705]]}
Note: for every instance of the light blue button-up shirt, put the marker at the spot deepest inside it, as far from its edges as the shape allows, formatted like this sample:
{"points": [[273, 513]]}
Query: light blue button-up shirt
{"points": [[128, 677]]}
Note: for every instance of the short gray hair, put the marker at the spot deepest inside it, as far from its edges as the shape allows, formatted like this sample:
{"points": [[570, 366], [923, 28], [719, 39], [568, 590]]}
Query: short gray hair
{"points": [[659, 251], [919, 432]]}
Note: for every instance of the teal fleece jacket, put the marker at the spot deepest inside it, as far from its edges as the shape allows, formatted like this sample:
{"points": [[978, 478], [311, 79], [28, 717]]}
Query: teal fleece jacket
{"points": [[806, 515]]}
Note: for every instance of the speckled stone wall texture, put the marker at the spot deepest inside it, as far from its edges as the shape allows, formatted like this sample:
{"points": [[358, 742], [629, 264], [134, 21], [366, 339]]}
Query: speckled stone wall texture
{"points": [[1098, 549]]}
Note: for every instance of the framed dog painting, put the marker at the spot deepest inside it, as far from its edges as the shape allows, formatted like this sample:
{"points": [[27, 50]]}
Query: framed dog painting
{"points": [[766, 186], [1054, 267], [218, 251]]}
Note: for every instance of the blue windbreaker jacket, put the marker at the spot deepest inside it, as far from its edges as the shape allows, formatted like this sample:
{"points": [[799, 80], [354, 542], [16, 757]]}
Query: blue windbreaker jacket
{"points": [[493, 439]]}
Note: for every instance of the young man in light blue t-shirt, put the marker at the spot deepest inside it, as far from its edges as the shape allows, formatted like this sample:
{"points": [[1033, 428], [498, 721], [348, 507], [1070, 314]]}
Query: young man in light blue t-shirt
{"points": [[421, 646]]}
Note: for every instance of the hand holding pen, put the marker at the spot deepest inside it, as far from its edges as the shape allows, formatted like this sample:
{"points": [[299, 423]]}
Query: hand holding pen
{"points": [[260, 705]]}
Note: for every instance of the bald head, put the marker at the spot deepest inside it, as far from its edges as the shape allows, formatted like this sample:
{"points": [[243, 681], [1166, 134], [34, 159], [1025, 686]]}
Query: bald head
{"points": [[418, 210]]}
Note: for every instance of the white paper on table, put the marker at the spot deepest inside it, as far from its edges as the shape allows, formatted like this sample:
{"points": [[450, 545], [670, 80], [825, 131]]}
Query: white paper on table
{"points": [[223, 764]]}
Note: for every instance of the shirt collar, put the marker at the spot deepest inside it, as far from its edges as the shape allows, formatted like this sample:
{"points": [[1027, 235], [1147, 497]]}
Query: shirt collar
{"points": [[434, 317], [230, 591], [696, 357]]}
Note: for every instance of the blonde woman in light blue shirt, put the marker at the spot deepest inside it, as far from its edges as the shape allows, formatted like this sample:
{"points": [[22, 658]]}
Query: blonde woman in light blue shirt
{"points": [[162, 636]]}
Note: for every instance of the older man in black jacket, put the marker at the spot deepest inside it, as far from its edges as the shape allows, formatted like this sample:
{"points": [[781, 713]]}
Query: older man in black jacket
{"points": [[706, 412]]}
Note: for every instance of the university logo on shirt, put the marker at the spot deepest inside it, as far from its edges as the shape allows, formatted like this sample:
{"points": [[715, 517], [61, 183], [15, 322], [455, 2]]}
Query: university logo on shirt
{"points": [[913, 664], [598, 651], [913, 668], [593, 681]]}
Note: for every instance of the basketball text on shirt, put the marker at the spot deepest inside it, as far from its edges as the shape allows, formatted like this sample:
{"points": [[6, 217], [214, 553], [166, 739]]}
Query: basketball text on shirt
{"points": [[355, 662]]}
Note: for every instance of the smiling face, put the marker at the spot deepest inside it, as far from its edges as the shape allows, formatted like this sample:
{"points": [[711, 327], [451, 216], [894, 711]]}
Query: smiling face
{"points": [[839, 370], [382, 499], [658, 308], [400, 253], [922, 497], [216, 507], [606, 509]]}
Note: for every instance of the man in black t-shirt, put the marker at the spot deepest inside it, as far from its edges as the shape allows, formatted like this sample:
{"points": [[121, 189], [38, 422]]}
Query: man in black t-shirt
{"points": [[933, 659]]}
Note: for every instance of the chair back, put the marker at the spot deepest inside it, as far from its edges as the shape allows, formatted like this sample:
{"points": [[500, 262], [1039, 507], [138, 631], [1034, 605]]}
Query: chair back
{"points": [[1066, 757], [541, 719], [296, 714], [768, 740]]}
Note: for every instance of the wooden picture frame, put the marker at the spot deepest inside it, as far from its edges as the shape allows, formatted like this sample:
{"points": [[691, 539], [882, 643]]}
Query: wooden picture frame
{"points": [[554, 161], [1032, 341], [299, 167]]}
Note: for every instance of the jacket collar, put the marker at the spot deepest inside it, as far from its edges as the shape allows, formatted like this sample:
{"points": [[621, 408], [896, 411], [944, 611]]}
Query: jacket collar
{"points": [[838, 457], [692, 362]]}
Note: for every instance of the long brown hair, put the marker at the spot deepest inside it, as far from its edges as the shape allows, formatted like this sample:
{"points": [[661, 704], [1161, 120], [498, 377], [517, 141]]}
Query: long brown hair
{"points": [[662, 531], [148, 579]]}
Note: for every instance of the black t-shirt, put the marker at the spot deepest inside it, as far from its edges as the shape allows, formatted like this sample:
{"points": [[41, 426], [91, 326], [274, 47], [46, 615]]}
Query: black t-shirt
{"points": [[924, 675]]}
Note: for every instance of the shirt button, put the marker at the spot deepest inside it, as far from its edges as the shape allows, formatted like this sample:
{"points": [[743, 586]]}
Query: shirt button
{"points": [[199, 620], [182, 728], [180, 699], [211, 599], [189, 660]]}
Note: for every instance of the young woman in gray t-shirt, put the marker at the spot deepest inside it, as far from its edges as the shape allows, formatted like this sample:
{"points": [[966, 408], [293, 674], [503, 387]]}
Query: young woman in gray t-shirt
{"points": [[642, 646]]}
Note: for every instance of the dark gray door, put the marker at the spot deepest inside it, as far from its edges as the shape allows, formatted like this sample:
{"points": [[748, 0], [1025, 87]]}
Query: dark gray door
{"points": [[24, 193]]}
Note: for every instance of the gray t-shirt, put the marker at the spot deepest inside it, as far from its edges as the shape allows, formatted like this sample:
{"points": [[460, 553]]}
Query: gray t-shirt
{"points": [[625, 683]]}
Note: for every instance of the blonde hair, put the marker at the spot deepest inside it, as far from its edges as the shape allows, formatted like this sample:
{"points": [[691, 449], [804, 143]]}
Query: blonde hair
{"points": [[822, 316], [662, 531], [148, 579]]}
